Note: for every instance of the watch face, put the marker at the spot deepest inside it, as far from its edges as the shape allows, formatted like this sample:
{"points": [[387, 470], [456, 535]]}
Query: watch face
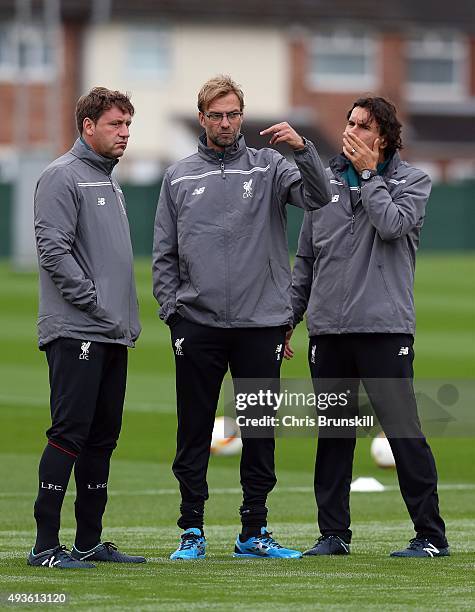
{"points": [[366, 174]]}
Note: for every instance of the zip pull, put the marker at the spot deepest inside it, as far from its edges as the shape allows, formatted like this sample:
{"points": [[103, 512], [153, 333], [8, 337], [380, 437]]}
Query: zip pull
{"points": [[223, 175], [352, 227]]}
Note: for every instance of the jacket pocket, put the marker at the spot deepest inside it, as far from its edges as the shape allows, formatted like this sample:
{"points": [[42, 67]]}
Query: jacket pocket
{"points": [[193, 283], [316, 263], [392, 303], [280, 291], [105, 320]]}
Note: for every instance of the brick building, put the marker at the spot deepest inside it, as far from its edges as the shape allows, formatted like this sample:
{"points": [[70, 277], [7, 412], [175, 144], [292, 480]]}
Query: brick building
{"points": [[301, 60]]}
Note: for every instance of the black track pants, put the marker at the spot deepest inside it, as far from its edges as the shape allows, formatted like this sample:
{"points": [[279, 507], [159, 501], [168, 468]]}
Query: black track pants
{"points": [[202, 356], [384, 363], [87, 383]]}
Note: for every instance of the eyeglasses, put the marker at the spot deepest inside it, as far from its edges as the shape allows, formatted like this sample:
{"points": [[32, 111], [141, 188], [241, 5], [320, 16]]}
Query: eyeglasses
{"points": [[218, 117]]}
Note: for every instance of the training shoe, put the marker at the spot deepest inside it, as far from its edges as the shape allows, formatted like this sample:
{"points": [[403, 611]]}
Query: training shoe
{"points": [[106, 551], [192, 546], [421, 547], [263, 546], [58, 558], [328, 545]]}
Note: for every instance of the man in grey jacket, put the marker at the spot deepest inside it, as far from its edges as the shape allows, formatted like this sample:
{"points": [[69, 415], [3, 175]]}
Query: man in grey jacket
{"points": [[88, 317], [354, 276], [221, 275]]}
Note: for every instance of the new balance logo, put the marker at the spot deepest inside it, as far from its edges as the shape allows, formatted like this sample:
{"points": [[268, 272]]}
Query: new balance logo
{"points": [[247, 189], [278, 351], [50, 562], [335, 198], [313, 353], [344, 546], [85, 351], [101, 201], [178, 347], [404, 350], [431, 549], [199, 191]]}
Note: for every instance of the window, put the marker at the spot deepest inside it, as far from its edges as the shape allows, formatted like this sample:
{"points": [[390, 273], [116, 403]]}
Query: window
{"points": [[342, 60], [436, 65], [25, 53], [7, 51], [148, 53]]}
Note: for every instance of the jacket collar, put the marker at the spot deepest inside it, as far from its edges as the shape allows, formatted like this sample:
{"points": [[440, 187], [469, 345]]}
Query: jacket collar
{"points": [[339, 164], [84, 152], [230, 153]]}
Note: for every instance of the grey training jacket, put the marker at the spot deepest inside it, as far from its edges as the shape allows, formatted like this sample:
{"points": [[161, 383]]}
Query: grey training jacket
{"points": [[87, 286], [220, 255], [354, 269]]}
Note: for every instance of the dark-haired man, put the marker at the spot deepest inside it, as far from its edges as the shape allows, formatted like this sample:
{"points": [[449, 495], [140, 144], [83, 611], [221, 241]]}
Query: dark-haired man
{"points": [[354, 276], [88, 317]]}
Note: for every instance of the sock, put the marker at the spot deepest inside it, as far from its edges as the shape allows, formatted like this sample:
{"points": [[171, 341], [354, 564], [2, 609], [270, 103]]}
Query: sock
{"points": [[249, 532], [252, 518], [91, 472], [202, 532], [54, 472], [192, 515]]}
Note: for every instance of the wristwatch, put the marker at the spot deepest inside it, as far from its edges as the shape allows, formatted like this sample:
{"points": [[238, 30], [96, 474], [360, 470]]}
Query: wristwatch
{"points": [[367, 174]]}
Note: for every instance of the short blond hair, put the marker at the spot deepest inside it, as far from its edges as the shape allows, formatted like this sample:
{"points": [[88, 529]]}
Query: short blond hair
{"points": [[217, 87]]}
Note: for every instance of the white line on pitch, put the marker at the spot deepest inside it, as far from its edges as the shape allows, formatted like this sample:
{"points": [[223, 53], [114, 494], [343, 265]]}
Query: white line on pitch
{"points": [[16, 400], [236, 490]]}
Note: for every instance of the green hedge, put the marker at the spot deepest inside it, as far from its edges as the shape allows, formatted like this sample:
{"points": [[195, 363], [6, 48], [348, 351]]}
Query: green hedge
{"points": [[449, 224], [5, 219]]}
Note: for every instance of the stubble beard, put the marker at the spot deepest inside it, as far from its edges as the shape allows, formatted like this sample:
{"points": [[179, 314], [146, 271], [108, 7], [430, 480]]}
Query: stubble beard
{"points": [[216, 140]]}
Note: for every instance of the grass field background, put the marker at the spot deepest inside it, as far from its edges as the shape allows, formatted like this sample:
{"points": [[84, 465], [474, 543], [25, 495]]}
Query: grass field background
{"points": [[143, 500]]}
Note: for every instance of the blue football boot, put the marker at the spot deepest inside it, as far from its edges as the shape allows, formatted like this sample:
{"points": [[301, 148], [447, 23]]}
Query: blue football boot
{"points": [[263, 546], [192, 545]]}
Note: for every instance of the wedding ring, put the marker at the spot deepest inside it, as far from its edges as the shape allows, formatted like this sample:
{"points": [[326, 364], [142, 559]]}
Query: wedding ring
{"points": [[353, 151]]}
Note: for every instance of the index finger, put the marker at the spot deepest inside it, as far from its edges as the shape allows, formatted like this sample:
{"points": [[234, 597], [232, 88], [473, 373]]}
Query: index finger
{"points": [[360, 144], [271, 130], [354, 138]]}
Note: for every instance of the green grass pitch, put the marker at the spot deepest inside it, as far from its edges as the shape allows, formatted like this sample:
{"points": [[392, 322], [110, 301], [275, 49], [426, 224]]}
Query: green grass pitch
{"points": [[143, 499]]}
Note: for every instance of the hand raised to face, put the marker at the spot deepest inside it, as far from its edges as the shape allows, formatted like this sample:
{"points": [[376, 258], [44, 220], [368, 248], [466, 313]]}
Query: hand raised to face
{"points": [[358, 152]]}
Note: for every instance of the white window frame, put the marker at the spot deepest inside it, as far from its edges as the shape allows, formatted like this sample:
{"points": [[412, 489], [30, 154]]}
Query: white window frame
{"points": [[143, 33], [430, 45], [341, 42], [36, 39], [8, 67]]}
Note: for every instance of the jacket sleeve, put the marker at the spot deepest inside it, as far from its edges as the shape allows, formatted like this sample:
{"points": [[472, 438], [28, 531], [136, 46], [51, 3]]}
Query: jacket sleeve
{"points": [[306, 185], [396, 217], [56, 215], [302, 274], [165, 266]]}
